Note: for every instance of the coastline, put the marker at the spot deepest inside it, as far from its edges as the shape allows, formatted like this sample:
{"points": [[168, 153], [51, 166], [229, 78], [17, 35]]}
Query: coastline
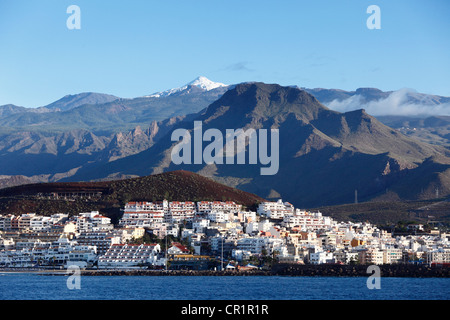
{"points": [[294, 270]]}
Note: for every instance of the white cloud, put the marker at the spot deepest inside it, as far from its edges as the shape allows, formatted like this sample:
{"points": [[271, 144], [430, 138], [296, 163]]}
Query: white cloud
{"points": [[405, 102]]}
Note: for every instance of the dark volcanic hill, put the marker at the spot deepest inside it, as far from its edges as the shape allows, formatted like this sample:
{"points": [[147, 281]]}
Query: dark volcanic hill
{"points": [[48, 198], [324, 155]]}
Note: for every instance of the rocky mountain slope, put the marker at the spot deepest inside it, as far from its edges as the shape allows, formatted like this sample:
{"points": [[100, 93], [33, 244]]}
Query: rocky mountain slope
{"points": [[324, 155]]}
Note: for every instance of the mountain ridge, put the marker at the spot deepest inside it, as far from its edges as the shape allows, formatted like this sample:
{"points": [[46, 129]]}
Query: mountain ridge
{"points": [[71, 101], [354, 149], [318, 137], [105, 113]]}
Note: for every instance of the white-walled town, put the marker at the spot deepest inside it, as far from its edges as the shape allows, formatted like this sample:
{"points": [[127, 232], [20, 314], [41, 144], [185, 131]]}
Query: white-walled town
{"points": [[207, 235]]}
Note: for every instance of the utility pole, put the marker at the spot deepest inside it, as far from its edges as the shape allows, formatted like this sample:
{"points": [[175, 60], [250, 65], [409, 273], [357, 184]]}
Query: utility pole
{"points": [[166, 248], [222, 255], [356, 196]]}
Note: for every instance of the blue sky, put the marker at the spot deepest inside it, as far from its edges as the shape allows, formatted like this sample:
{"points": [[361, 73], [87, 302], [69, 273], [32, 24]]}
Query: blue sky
{"points": [[134, 48]]}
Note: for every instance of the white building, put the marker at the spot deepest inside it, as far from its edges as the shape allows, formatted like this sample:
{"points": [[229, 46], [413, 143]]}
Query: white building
{"points": [[247, 216], [101, 220], [57, 253], [345, 256], [392, 255], [371, 256], [226, 206], [307, 221], [130, 234], [6, 221], [256, 227], [6, 244], [40, 223], [101, 239], [275, 210], [187, 233], [440, 255], [217, 216], [256, 245], [144, 214], [240, 255], [177, 248], [130, 256], [321, 257], [82, 256], [199, 225], [180, 211]]}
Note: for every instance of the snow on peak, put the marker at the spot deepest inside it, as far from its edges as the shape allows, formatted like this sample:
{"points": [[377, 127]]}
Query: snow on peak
{"points": [[205, 83], [201, 82]]}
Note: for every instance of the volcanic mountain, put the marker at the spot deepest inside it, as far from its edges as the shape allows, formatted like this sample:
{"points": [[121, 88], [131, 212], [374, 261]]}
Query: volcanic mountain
{"points": [[324, 155], [109, 196]]}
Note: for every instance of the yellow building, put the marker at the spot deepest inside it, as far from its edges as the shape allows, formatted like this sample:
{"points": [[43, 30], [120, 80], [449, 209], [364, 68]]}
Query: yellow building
{"points": [[357, 242]]}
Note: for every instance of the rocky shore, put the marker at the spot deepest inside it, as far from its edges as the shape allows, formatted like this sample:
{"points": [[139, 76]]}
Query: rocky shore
{"points": [[174, 273], [398, 270], [389, 270]]}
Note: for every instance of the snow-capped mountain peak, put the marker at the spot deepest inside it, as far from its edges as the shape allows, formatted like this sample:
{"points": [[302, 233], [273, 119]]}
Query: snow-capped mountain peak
{"points": [[205, 83], [201, 82]]}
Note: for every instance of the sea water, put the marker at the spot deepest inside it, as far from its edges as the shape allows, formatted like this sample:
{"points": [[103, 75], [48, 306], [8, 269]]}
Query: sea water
{"points": [[29, 286]]}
